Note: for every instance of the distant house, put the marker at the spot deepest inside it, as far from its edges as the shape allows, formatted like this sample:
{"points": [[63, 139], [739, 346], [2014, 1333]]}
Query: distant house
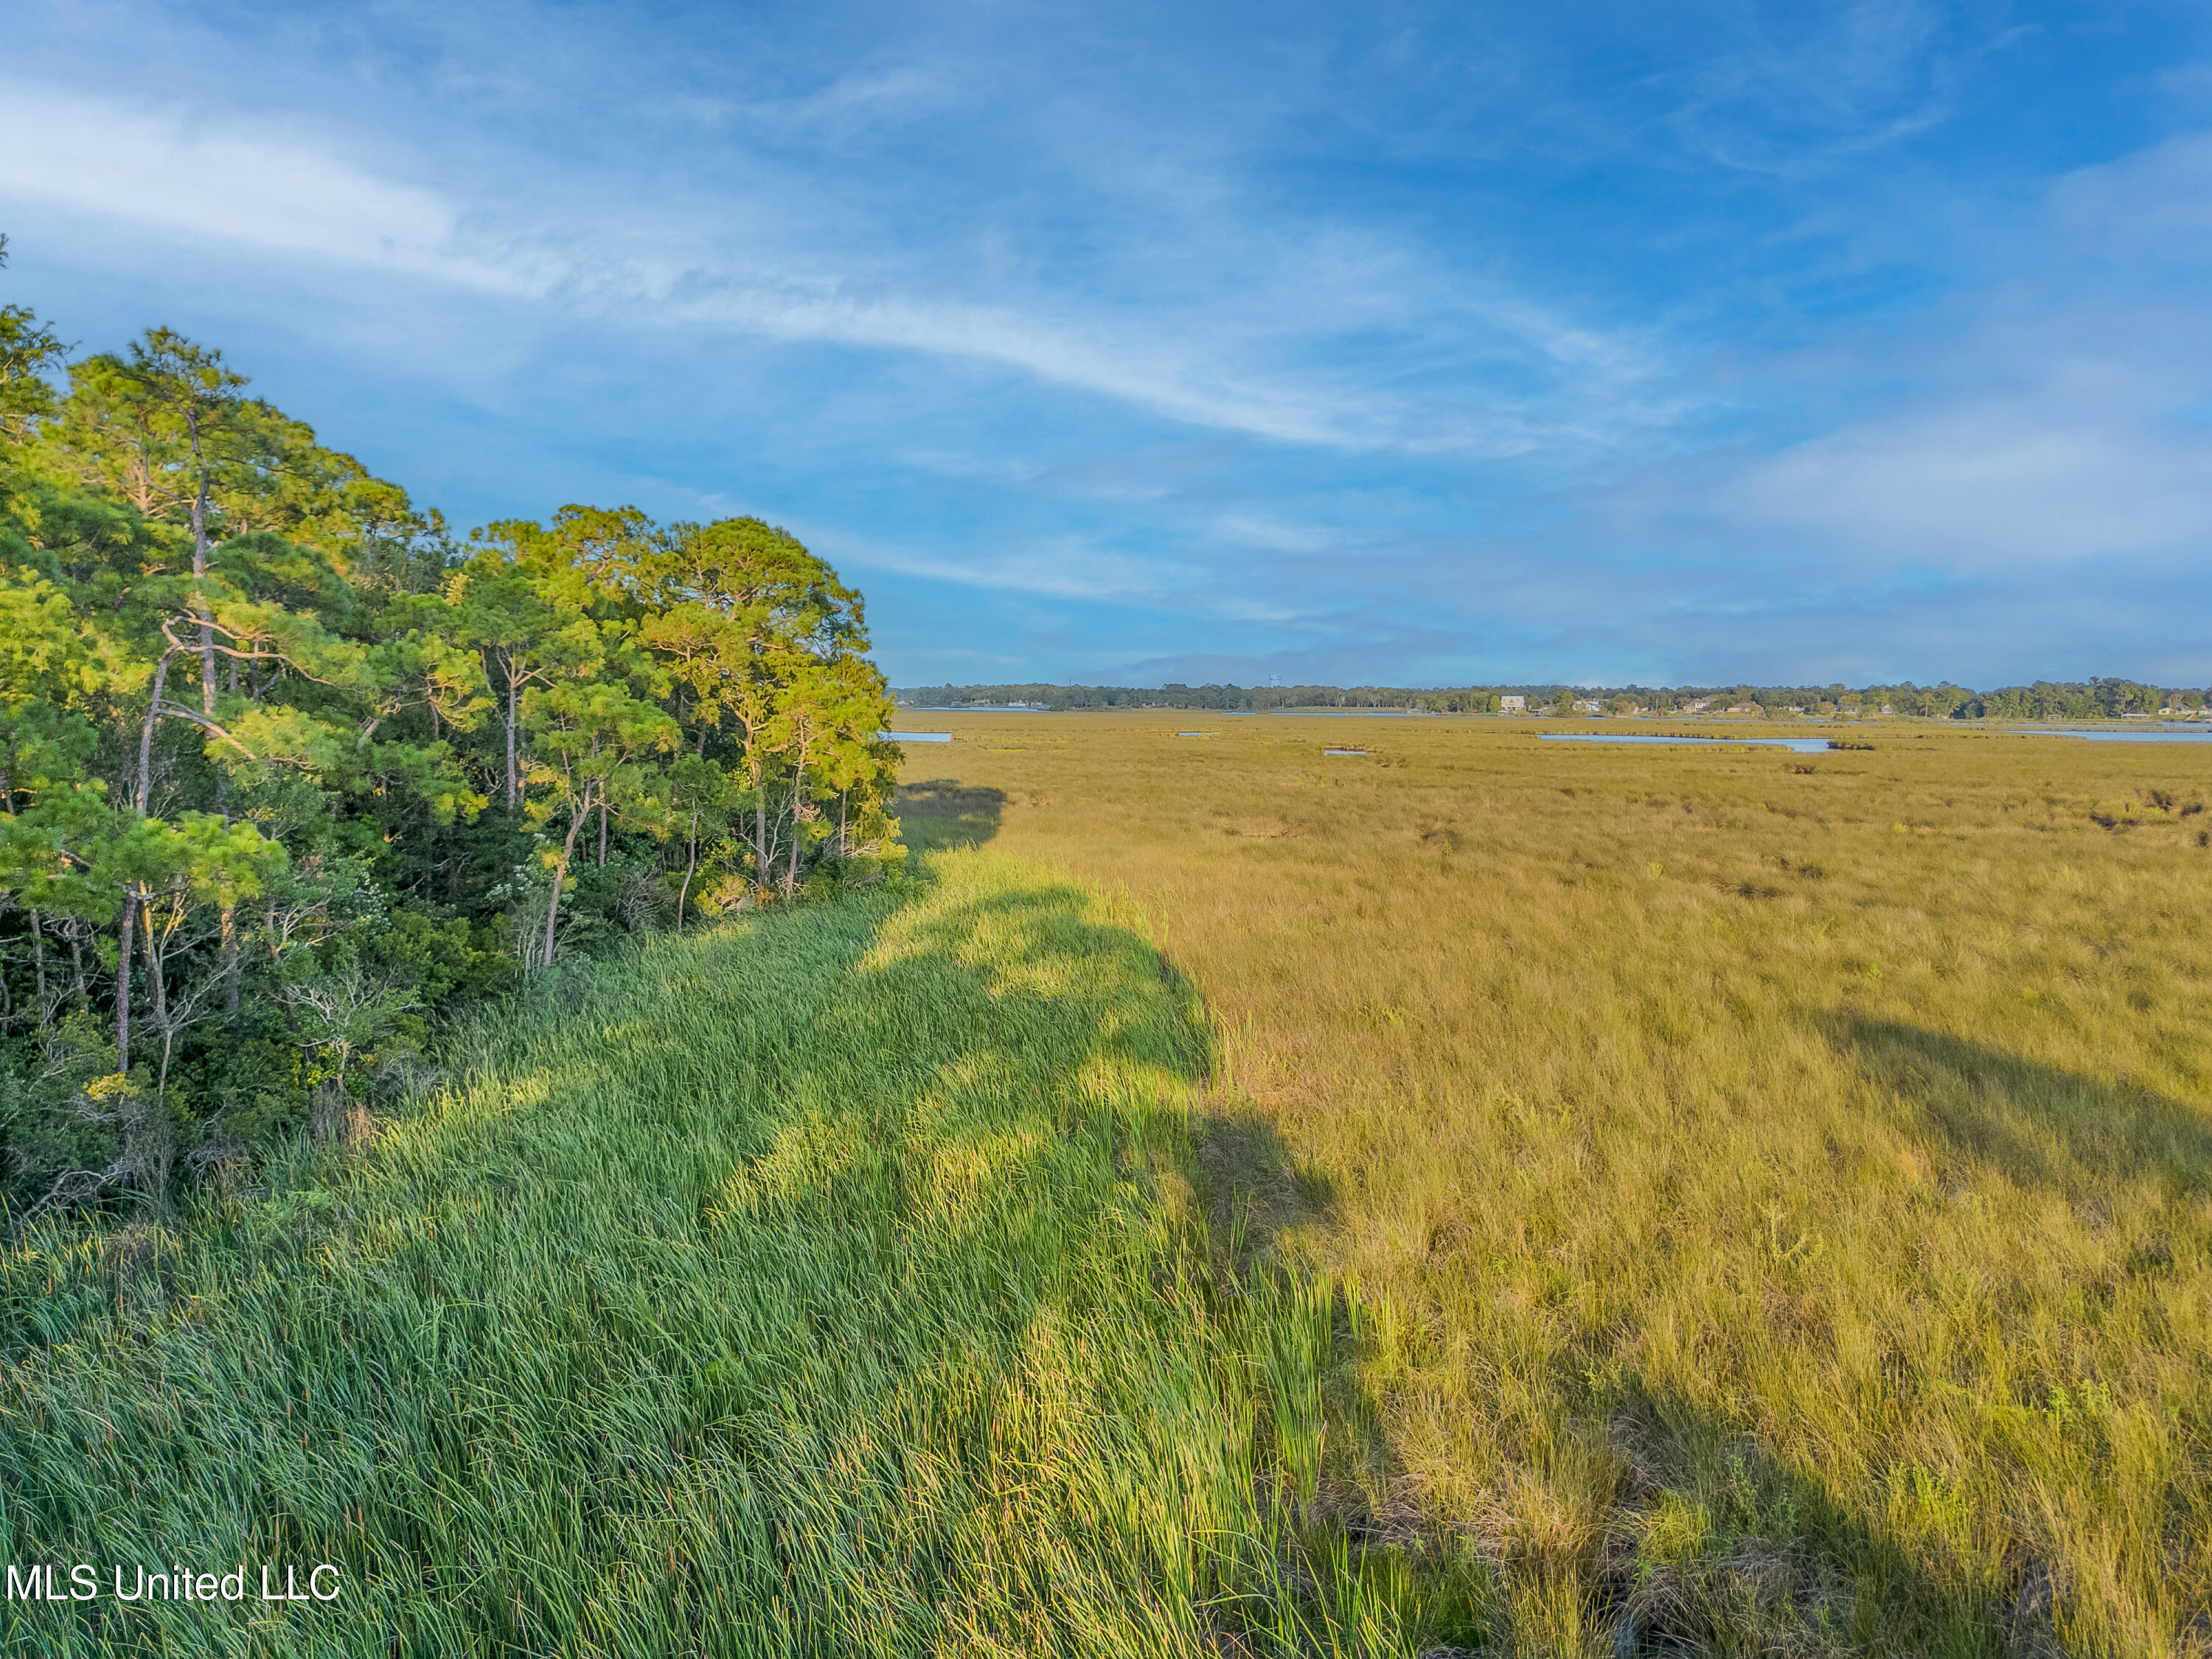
{"points": [[1743, 709], [1586, 705], [1513, 705], [1697, 706]]}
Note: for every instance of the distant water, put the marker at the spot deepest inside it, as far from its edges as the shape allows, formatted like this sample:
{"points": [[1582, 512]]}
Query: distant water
{"points": [[913, 736], [1358, 714], [1799, 745], [976, 708], [2124, 734]]}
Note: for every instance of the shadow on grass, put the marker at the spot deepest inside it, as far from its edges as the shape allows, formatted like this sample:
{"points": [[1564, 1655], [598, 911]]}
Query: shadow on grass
{"points": [[944, 812], [814, 1285], [1732, 1551], [1734, 1543], [2038, 1125], [1706, 1542], [1241, 1171], [1730, 1543]]}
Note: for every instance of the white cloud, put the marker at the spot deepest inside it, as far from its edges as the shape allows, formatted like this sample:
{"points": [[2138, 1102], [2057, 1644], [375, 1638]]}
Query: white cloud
{"points": [[2054, 418], [1981, 490], [253, 186], [2154, 205], [1812, 85], [1147, 373], [768, 257], [860, 102], [1058, 567]]}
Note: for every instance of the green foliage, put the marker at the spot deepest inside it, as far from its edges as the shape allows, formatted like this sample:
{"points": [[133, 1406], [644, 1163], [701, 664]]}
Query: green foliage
{"points": [[29, 351], [288, 776]]}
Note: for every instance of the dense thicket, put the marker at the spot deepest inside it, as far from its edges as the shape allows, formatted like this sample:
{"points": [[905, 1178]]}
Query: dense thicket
{"points": [[286, 769], [2046, 700]]}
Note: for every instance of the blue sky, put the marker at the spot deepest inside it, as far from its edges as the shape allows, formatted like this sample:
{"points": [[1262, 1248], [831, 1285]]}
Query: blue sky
{"points": [[1419, 345]]}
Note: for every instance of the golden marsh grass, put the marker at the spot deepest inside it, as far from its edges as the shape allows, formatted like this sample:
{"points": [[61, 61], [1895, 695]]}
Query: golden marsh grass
{"points": [[1767, 1194]]}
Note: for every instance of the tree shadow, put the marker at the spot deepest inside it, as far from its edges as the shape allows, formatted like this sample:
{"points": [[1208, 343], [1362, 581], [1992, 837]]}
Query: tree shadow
{"points": [[1240, 1168], [1708, 1542], [1725, 1549], [2038, 1125], [829, 1265], [944, 813], [1248, 1186]]}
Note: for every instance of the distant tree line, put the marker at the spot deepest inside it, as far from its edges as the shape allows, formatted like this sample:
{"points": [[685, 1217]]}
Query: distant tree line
{"points": [[1230, 697], [2046, 700], [286, 769]]}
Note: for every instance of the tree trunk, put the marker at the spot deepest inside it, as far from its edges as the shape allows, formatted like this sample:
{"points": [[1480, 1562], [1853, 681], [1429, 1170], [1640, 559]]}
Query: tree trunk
{"points": [[230, 957], [690, 864], [39, 964], [760, 836], [798, 792], [77, 965], [568, 851], [157, 982], [514, 697], [146, 737], [603, 835], [199, 575], [123, 984]]}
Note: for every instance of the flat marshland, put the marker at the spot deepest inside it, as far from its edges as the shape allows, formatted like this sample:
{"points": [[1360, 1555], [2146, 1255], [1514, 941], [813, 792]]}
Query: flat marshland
{"points": [[1479, 1194], [1769, 1197]]}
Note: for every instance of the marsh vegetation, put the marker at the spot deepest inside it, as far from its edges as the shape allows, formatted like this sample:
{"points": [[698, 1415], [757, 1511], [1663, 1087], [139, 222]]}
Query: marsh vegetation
{"points": [[1767, 1199], [1495, 1196], [833, 1283]]}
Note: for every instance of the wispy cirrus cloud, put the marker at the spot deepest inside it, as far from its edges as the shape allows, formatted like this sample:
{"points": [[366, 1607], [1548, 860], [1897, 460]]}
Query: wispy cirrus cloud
{"points": [[1221, 357], [223, 179], [1813, 86]]}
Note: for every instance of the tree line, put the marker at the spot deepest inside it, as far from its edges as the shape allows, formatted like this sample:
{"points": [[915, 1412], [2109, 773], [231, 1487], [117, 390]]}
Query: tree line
{"points": [[288, 768], [2046, 700]]}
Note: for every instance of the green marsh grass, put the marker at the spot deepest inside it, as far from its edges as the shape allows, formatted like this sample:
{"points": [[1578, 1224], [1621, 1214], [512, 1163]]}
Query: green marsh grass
{"points": [[830, 1283]]}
